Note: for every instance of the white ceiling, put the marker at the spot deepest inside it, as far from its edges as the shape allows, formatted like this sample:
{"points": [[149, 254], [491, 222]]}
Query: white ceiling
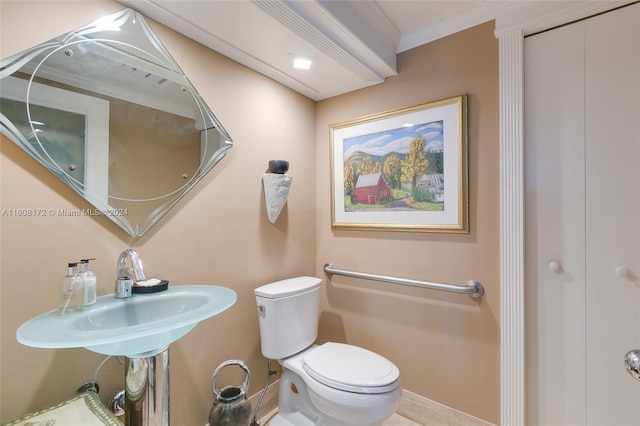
{"points": [[352, 43]]}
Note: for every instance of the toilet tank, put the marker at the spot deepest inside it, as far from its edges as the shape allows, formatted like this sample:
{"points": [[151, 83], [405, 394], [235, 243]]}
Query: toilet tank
{"points": [[288, 313]]}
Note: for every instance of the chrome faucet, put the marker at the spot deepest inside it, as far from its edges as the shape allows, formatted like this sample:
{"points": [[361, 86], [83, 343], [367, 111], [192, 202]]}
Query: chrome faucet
{"points": [[127, 276]]}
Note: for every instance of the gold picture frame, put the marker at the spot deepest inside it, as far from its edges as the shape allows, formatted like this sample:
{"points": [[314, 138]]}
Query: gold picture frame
{"points": [[402, 170]]}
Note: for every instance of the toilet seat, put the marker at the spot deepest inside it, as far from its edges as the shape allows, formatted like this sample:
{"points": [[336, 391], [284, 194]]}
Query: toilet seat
{"points": [[351, 368]]}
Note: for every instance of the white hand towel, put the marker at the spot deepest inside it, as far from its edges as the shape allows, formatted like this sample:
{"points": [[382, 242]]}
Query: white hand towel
{"points": [[276, 191]]}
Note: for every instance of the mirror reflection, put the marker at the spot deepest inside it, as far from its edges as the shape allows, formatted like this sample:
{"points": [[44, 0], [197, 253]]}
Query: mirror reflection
{"points": [[109, 112]]}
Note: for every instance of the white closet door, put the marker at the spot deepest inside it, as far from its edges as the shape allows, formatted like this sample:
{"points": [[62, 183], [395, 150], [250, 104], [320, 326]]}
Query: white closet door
{"points": [[582, 136], [555, 211], [612, 88]]}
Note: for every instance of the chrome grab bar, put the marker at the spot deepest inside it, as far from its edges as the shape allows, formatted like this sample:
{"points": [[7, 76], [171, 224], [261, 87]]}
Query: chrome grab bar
{"points": [[472, 288]]}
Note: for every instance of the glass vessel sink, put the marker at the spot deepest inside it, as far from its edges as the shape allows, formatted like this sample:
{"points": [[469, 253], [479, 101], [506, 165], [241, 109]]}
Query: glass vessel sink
{"points": [[140, 326]]}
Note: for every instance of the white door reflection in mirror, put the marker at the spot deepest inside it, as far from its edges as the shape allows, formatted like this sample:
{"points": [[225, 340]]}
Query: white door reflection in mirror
{"points": [[58, 125]]}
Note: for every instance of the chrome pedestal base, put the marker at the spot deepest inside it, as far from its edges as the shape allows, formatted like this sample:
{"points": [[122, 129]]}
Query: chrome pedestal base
{"points": [[146, 382]]}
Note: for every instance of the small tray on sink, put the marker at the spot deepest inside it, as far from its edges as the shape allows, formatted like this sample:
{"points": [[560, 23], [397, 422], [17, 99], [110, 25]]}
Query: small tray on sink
{"points": [[142, 289]]}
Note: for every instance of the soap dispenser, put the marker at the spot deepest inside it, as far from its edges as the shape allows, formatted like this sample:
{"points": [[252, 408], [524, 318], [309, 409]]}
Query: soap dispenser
{"points": [[90, 282], [71, 291]]}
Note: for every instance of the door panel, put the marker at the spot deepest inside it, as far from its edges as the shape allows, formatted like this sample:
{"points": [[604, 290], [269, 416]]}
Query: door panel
{"points": [[612, 96], [554, 171], [582, 157]]}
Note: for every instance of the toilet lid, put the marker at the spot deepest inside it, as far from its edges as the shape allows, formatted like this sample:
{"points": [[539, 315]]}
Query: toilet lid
{"points": [[351, 369]]}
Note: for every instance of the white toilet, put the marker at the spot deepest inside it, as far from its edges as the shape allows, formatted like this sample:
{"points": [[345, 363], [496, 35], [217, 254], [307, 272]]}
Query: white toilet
{"points": [[333, 384]]}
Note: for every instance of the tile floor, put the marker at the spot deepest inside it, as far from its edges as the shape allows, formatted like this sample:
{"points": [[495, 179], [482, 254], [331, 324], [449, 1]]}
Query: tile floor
{"points": [[395, 420], [423, 412], [398, 420]]}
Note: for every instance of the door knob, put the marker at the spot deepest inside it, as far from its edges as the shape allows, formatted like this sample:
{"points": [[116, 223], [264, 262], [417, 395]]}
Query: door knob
{"points": [[632, 363], [554, 266]]}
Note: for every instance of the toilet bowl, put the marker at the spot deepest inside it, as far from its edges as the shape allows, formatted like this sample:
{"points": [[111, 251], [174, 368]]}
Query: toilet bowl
{"points": [[333, 384], [346, 385]]}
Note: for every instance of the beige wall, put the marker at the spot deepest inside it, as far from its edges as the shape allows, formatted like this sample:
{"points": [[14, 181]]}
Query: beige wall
{"points": [[446, 346], [218, 234]]}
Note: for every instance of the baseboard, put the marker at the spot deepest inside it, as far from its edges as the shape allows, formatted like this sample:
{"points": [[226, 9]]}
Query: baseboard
{"points": [[427, 412], [412, 406]]}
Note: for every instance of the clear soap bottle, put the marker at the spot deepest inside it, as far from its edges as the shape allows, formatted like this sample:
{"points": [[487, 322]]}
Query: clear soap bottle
{"points": [[71, 291], [90, 282]]}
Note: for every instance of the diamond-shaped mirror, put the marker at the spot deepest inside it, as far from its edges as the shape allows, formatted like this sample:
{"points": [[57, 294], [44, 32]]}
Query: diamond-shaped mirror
{"points": [[108, 111]]}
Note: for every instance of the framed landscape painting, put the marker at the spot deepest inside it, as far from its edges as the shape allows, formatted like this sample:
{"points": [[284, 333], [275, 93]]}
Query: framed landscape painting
{"points": [[402, 170]]}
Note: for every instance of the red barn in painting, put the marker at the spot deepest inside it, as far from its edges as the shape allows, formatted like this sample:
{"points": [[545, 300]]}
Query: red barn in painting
{"points": [[370, 189]]}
